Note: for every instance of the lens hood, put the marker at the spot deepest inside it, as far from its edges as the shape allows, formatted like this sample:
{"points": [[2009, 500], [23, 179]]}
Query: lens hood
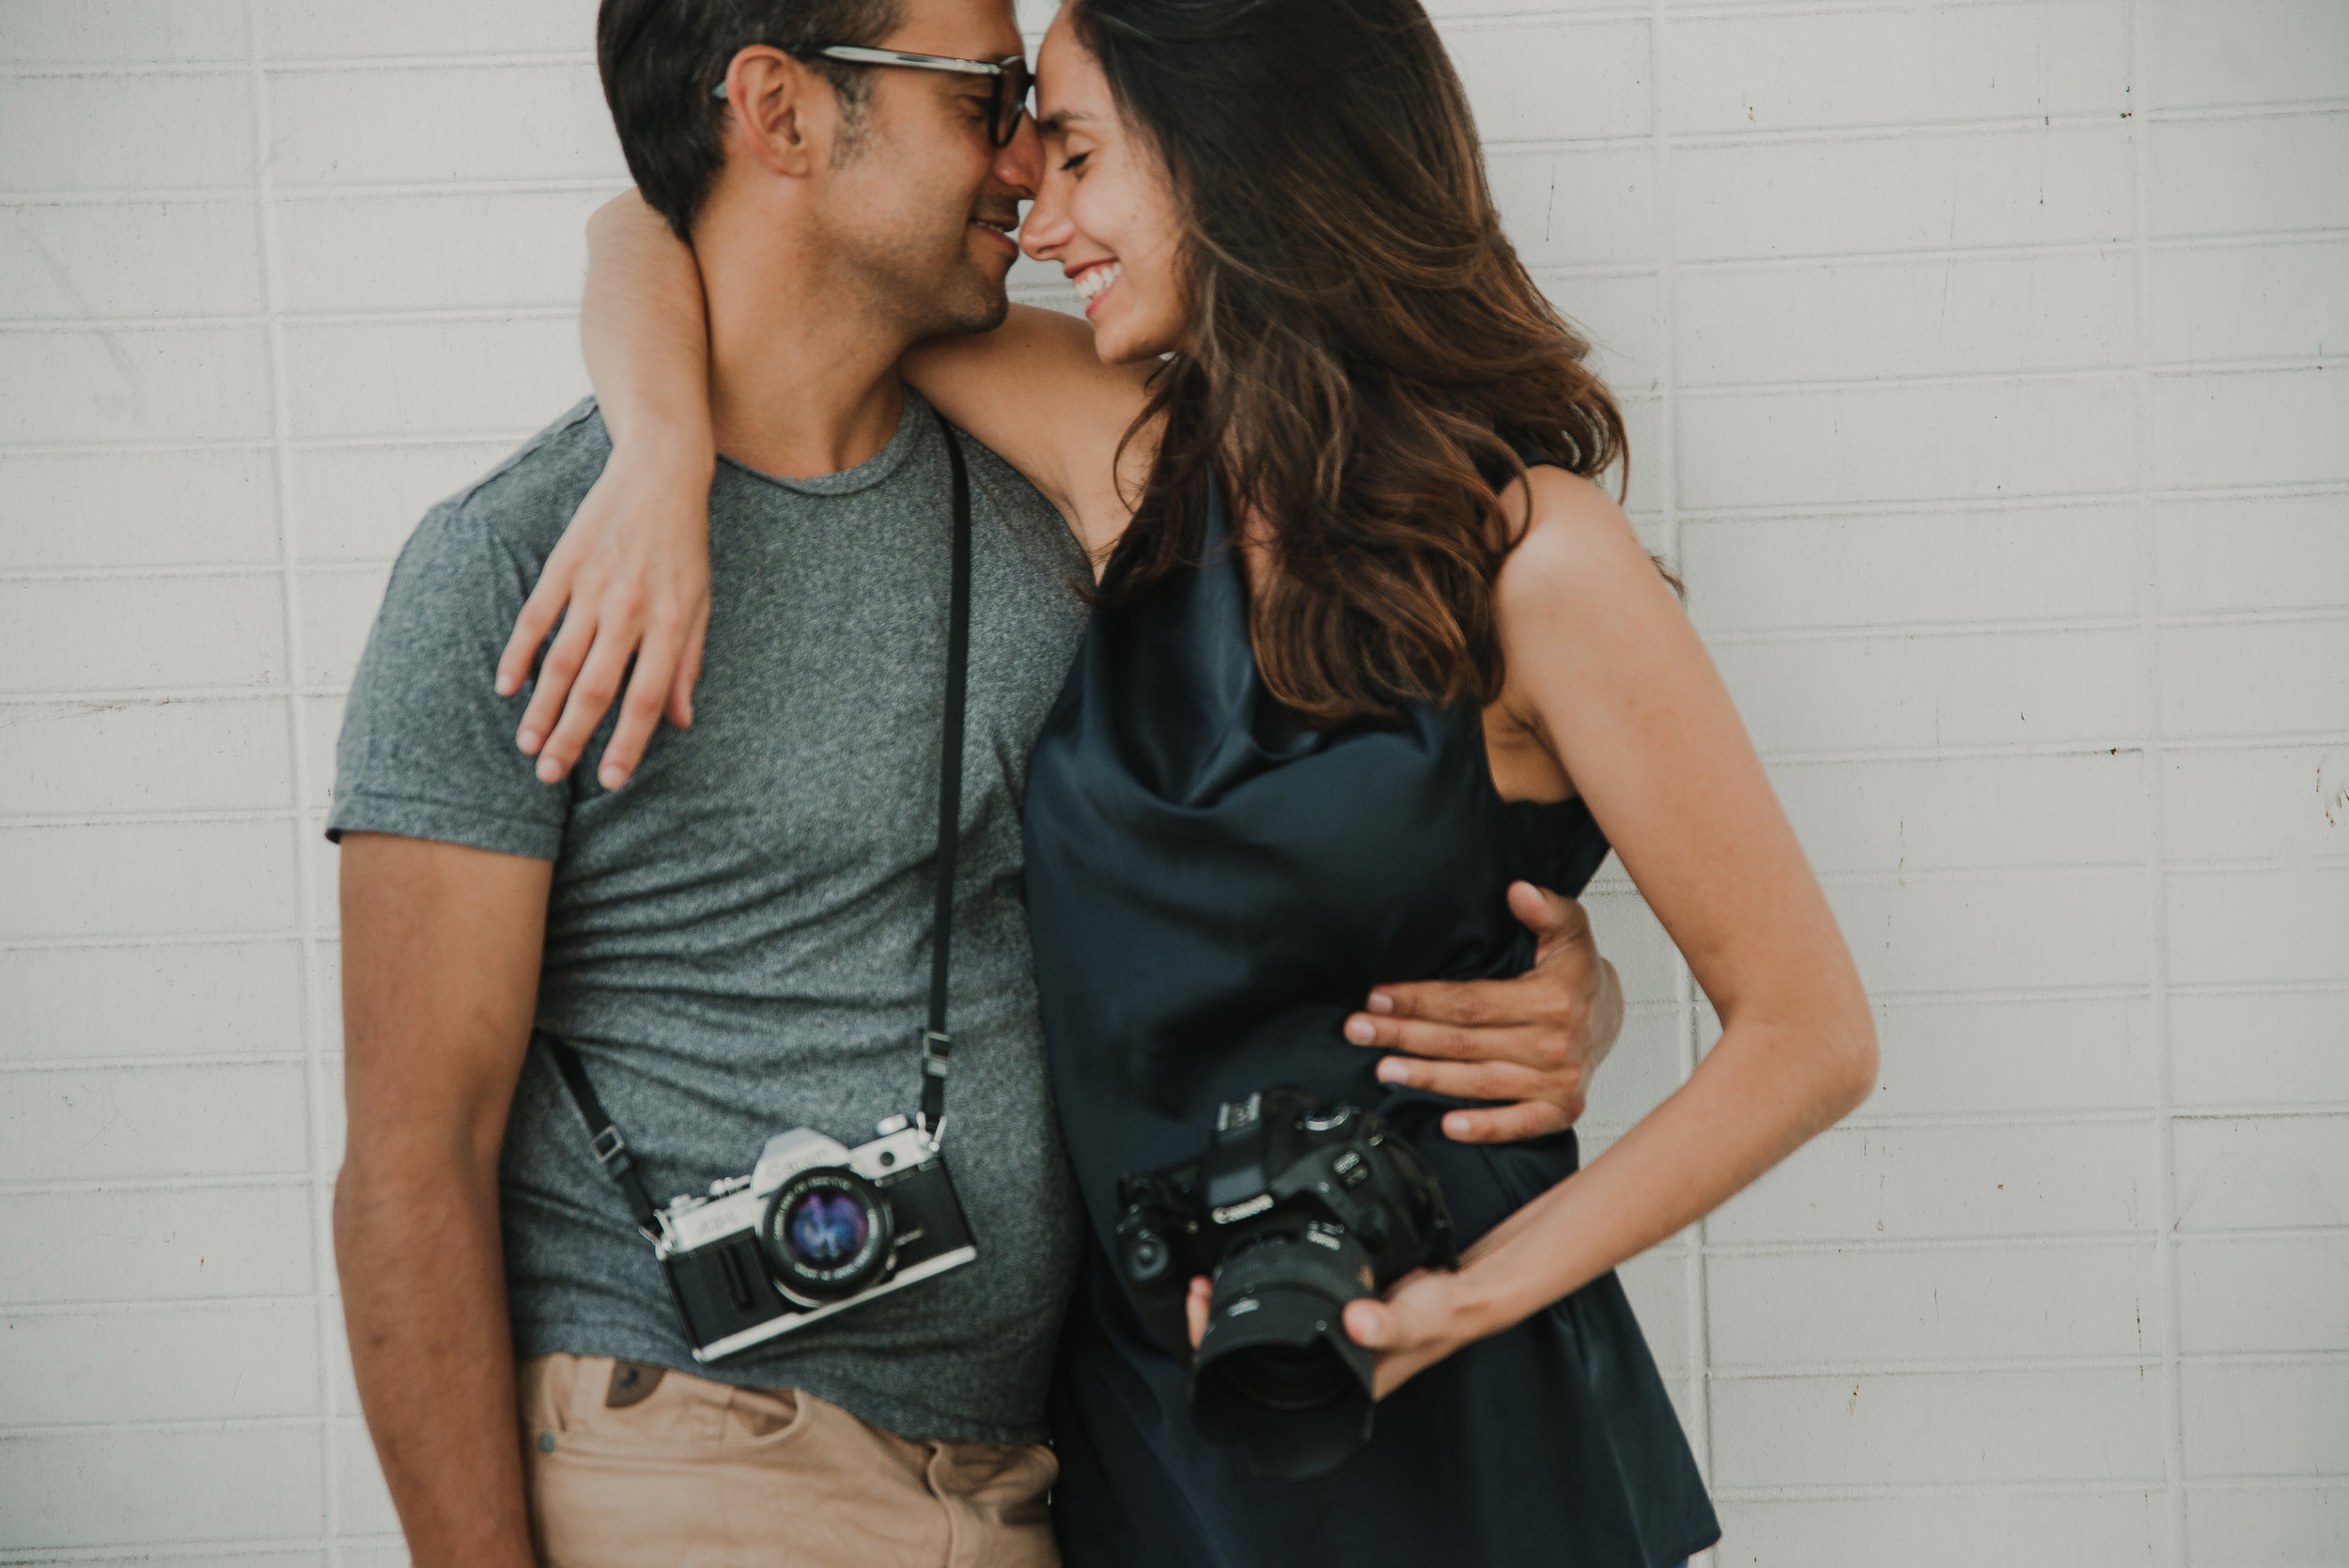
{"points": [[1276, 1371]]}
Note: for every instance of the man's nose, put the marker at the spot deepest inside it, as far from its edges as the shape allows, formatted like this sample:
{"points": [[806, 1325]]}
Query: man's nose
{"points": [[1019, 162]]}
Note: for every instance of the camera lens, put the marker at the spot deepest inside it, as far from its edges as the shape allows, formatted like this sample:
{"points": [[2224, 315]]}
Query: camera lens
{"points": [[827, 1233], [1276, 1372], [1287, 1376], [823, 1227]]}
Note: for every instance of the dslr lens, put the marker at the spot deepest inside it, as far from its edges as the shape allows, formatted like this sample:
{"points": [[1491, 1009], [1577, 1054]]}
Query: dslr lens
{"points": [[1285, 1376], [1276, 1372]]}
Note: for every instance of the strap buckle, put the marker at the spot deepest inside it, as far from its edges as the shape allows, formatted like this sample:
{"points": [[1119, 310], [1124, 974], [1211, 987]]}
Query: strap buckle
{"points": [[937, 1049], [608, 1145]]}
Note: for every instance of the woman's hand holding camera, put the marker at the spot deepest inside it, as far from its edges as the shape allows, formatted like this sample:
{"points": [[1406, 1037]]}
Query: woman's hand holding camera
{"points": [[1426, 1315]]}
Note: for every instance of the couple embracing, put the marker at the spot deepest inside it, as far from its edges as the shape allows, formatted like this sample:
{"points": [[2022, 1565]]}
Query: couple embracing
{"points": [[1081, 733]]}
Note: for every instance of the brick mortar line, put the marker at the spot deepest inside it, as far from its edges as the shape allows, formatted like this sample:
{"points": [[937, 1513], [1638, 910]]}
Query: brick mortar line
{"points": [[1895, 1490]]}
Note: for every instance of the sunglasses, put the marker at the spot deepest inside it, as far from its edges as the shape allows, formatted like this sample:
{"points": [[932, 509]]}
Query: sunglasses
{"points": [[1006, 107]]}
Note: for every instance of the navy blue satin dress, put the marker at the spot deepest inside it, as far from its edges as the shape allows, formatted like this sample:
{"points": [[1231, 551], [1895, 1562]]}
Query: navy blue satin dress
{"points": [[1212, 888]]}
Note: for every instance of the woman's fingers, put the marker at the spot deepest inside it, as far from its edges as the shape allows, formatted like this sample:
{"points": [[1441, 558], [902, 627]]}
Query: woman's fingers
{"points": [[540, 611], [689, 670], [556, 671], [591, 697], [1416, 1325], [648, 686], [1195, 1306], [629, 580]]}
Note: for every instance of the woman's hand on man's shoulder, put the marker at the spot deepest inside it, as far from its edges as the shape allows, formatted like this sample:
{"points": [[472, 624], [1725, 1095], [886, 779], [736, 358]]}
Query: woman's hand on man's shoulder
{"points": [[629, 579]]}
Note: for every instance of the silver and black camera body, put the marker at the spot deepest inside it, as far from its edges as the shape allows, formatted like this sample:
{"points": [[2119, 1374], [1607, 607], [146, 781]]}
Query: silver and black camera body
{"points": [[814, 1229]]}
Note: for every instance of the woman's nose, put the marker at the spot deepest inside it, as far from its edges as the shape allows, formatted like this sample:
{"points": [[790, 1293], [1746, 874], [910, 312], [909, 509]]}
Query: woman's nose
{"points": [[1046, 227]]}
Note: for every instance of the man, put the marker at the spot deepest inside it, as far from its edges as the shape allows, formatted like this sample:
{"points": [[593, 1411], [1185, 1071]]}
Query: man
{"points": [[736, 943]]}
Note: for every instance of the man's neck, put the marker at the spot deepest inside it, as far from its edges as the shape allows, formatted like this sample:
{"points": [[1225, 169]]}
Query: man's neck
{"points": [[803, 373]]}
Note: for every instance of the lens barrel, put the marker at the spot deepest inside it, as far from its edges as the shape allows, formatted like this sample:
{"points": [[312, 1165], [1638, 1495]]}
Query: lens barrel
{"points": [[1276, 1372]]}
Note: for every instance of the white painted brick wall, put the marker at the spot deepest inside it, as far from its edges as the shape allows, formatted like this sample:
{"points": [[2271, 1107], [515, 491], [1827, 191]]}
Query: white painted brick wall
{"points": [[1977, 359]]}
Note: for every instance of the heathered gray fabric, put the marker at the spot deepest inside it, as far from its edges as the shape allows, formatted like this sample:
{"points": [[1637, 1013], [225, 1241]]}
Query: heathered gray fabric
{"points": [[738, 940]]}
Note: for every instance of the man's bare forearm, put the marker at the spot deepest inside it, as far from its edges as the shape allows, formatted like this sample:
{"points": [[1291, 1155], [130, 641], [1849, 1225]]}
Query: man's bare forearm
{"points": [[423, 1301], [440, 951]]}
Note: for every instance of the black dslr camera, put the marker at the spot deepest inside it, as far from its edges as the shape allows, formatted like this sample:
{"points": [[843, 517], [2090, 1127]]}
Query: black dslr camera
{"points": [[1295, 1210]]}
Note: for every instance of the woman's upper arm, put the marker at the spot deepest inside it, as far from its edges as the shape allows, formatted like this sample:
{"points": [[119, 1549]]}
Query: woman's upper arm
{"points": [[1606, 666], [1033, 391]]}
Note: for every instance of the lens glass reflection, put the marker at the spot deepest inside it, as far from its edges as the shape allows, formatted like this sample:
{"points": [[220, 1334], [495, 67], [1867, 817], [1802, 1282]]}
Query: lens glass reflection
{"points": [[826, 1228]]}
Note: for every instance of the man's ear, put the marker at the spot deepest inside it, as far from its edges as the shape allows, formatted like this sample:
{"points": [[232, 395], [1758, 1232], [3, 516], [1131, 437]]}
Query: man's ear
{"points": [[784, 114]]}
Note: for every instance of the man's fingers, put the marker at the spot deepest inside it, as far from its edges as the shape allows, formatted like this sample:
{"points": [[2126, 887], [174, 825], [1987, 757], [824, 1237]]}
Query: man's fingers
{"points": [[1546, 914], [1470, 1080], [591, 697], [1534, 1045], [556, 672], [1195, 1306], [640, 710], [1505, 1124], [1454, 1001]]}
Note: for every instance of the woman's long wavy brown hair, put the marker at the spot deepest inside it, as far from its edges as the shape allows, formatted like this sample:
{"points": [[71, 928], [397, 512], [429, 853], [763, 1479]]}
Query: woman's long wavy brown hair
{"points": [[1365, 353]]}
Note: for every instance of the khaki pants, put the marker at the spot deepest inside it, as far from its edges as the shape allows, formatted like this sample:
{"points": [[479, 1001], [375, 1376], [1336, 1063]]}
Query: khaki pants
{"points": [[632, 1467]]}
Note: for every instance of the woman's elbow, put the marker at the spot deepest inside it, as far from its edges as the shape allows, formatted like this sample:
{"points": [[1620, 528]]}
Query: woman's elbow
{"points": [[1850, 1067]]}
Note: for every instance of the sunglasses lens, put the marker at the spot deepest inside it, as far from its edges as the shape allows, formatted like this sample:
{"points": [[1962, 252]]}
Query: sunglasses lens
{"points": [[1011, 103]]}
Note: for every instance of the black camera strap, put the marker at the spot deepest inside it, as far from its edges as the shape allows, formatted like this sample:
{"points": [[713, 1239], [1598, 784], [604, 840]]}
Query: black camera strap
{"points": [[610, 1149], [603, 1137], [937, 1045]]}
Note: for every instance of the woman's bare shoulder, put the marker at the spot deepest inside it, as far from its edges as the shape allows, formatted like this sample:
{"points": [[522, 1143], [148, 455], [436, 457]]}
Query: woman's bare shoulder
{"points": [[1574, 541]]}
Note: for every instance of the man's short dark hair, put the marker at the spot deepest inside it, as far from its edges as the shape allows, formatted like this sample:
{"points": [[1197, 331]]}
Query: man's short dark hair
{"points": [[664, 60]]}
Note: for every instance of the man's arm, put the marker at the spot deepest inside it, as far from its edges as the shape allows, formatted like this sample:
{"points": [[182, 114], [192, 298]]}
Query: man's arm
{"points": [[440, 951], [1530, 1044]]}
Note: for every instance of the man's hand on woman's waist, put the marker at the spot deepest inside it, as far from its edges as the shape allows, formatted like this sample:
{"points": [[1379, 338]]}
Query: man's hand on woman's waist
{"points": [[1531, 1043]]}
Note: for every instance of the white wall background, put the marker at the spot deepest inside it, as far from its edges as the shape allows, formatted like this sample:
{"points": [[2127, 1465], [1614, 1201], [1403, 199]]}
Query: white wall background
{"points": [[1977, 357]]}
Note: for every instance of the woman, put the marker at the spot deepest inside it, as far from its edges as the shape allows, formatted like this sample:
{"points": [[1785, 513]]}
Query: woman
{"points": [[1371, 645]]}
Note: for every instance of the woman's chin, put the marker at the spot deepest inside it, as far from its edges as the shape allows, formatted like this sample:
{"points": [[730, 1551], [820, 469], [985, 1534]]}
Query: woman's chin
{"points": [[1117, 342]]}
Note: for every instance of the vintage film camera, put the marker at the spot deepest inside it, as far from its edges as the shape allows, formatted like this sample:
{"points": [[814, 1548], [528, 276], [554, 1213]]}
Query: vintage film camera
{"points": [[1295, 1210], [813, 1230]]}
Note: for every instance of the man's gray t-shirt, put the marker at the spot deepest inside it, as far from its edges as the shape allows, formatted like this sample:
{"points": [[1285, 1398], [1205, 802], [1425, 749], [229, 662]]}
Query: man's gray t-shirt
{"points": [[738, 940]]}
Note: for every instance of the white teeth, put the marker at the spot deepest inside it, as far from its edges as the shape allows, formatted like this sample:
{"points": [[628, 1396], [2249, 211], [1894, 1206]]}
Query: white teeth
{"points": [[1090, 282]]}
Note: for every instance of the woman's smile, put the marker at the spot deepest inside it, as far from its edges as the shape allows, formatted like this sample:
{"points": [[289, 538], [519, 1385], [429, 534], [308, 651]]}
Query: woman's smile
{"points": [[1095, 281]]}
